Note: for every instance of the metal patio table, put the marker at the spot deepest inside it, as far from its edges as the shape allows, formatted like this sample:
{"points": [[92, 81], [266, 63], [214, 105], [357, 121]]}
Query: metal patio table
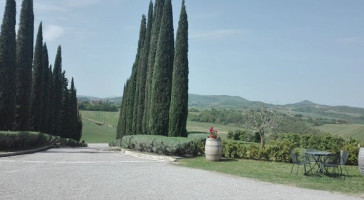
{"points": [[318, 158]]}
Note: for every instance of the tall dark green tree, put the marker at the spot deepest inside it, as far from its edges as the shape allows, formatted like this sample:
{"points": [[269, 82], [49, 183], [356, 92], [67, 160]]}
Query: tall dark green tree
{"points": [[142, 75], [157, 18], [78, 127], [46, 91], [8, 67], [121, 128], [129, 109], [65, 121], [24, 57], [74, 113], [179, 97], [51, 117], [138, 74], [162, 75], [58, 93], [37, 86]]}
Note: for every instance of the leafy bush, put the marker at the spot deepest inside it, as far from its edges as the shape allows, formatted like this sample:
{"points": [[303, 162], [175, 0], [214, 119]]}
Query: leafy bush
{"points": [[201, 136], [280, 149], [163, 145], [26, 140]]}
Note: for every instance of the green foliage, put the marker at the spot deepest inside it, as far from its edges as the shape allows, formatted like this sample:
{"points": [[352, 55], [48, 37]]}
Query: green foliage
{"points": [[162, 75], [8, 67], [121, 127], [98, 106], [24, 56], [58, 93], [280, 150], [25, 140], [37, 87], [201, 136], [157, 18], [178, 110], [161, 144], [142, 76], [46, 99], [141, 70]]}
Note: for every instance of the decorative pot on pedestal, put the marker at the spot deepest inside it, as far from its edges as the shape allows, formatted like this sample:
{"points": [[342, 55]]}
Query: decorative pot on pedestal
{"points": [[361, 161], [213, 149]]}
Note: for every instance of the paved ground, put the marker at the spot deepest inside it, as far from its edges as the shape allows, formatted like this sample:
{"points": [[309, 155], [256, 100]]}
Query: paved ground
{"points": [[95, 173]]}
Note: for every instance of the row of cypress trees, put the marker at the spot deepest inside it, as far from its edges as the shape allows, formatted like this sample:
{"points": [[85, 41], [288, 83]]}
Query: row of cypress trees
{"points": [[32, 96], [155, 99]]}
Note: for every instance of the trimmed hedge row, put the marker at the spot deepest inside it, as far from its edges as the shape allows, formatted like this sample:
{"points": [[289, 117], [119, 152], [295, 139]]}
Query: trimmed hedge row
{"points": [[25, 140], [162, 145], [280, 149]]}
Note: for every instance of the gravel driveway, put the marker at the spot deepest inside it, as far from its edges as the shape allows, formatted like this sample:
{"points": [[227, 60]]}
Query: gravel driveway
{"points": [[96, 173]]}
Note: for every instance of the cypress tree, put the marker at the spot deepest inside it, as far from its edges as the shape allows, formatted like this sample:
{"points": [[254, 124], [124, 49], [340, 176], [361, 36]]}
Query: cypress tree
{"points": [[46, 90], [162, 75], [58, 93], [140, 103], [138, 81], [74, 114], [65, 109], [121, 128], [51, 100], [157, 18], [38, 78], [130, 125], [8, 67], [179, 98], [24, 57], [78, 127]]}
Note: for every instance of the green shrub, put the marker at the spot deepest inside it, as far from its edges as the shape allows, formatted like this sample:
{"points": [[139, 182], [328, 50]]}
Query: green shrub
{"points": [[201, 136], [25, 140], [163, 145], [253, 152], [241, 151], [280, 149]]}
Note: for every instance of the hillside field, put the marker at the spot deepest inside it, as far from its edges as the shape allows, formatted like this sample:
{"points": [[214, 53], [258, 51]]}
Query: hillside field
{"points": [[100, 127], [344, 130]]}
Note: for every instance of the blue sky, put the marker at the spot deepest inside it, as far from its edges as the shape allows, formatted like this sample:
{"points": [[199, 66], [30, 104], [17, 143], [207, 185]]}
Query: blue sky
{"points": [[275, 51]]}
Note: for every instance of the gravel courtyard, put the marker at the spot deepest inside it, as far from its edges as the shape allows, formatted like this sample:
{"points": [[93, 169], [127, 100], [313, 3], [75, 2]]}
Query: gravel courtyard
{"points": [[97, 173]]}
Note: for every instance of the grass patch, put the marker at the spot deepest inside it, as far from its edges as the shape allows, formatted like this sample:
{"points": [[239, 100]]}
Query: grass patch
{"points": [[93, 133], [344, 130], [205, 127], [110, 118], [276, 172]]}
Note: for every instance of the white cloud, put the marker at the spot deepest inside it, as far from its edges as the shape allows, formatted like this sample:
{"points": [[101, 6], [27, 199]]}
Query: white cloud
{"points": [[53, 32], [217, 34]]}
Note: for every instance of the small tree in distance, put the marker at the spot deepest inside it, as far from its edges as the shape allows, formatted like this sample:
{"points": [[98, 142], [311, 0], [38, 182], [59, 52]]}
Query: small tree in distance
{"points": [[261, 120]]}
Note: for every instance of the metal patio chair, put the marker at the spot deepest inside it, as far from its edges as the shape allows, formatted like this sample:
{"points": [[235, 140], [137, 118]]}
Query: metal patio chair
{"points": [[332, 161], [344, 155], [298, 160]]}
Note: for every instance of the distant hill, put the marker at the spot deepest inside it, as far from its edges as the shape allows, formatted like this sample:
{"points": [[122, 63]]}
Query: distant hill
{"points": [[304, 108], [222, 101]]}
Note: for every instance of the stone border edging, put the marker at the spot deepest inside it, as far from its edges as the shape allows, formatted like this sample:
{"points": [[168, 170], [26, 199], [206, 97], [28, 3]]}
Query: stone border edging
{"points": [[25, 152], [148, 156]]}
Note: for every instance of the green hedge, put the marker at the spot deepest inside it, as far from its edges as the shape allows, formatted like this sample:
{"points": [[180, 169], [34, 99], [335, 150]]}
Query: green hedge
{"points": [[279, 150], [25, 140], [161, 144]]}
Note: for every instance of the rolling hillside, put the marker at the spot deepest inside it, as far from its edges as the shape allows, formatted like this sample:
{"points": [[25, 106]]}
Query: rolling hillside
{"points": [[305, 108]]}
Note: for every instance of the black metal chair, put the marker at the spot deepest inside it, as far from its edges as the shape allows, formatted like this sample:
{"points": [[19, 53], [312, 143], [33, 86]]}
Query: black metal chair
{"points": [[332, 161], [298, 160], [344, 155]]}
